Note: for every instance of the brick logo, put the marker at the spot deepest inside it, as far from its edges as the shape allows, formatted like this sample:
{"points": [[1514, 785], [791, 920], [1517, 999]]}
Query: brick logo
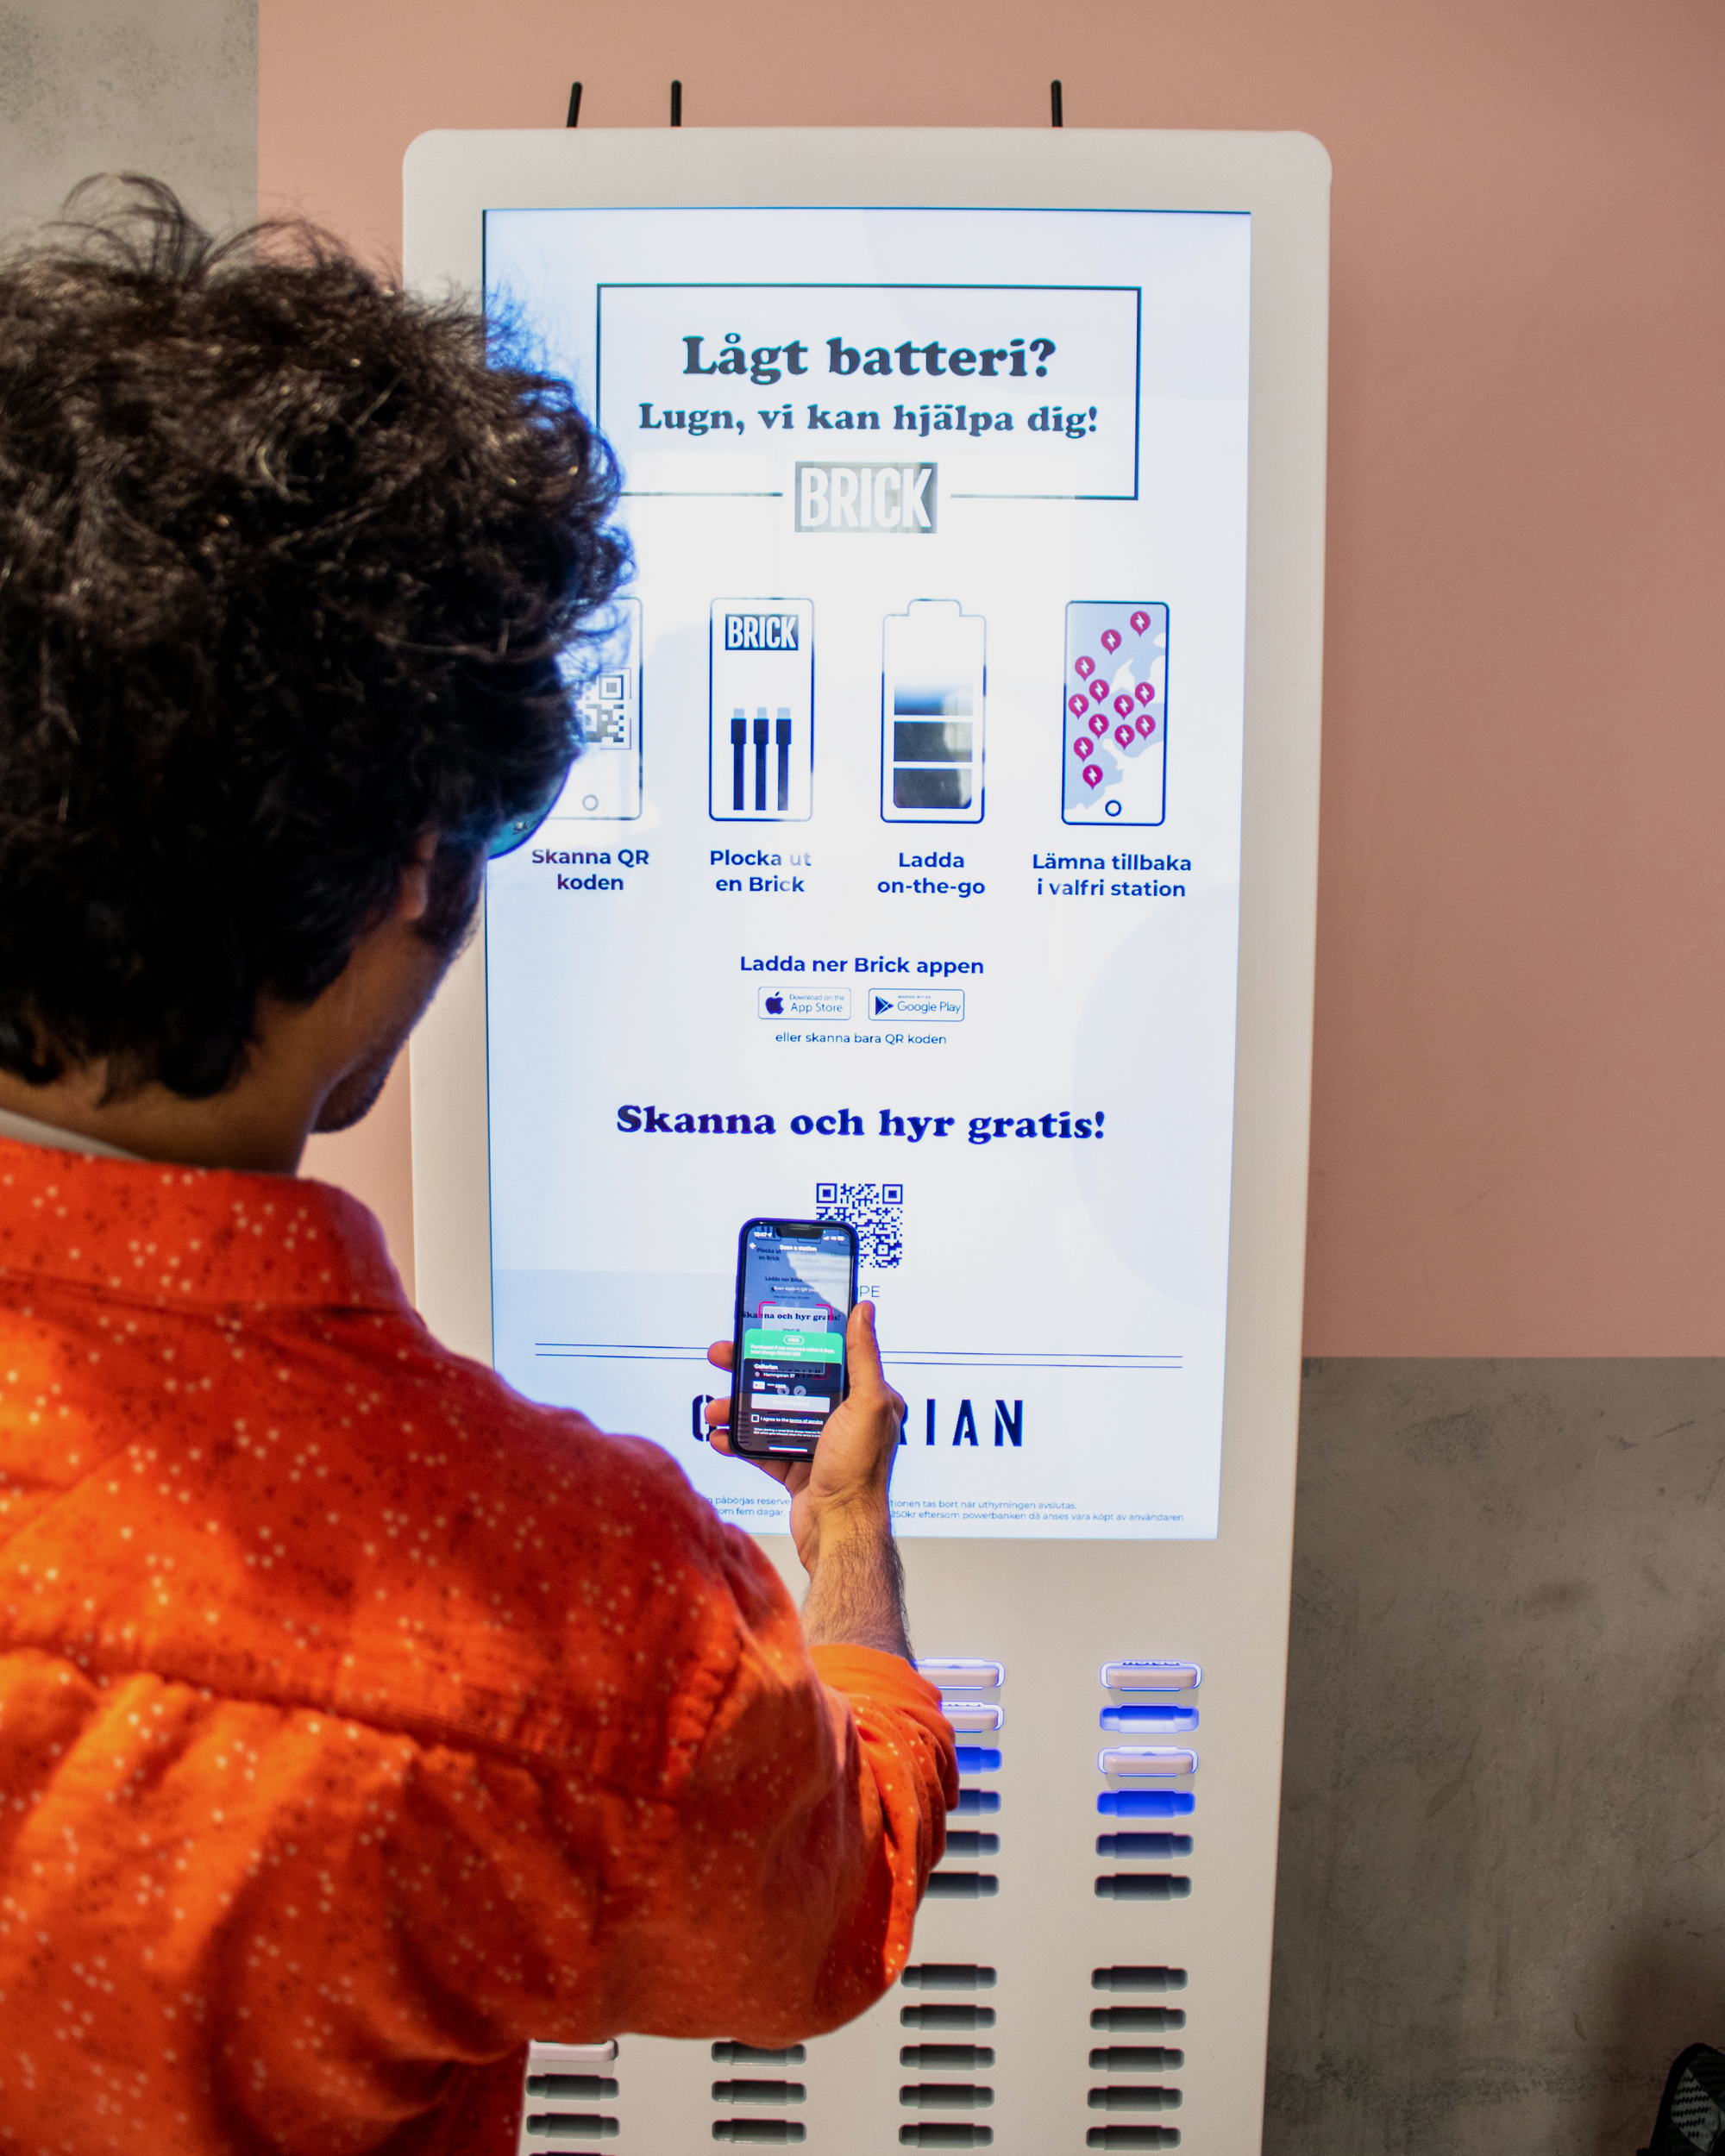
{"points": [[761, 632], [892, 499]]}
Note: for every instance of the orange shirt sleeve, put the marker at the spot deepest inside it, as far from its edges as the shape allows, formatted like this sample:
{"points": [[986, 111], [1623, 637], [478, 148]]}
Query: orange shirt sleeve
{"points": [[784, 1887], [768, 1927], [766, 1890], [903, 1744]]}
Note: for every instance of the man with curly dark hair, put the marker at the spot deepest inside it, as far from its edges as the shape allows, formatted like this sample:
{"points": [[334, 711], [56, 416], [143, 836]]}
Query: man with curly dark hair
{"points": [[359, 1719]]}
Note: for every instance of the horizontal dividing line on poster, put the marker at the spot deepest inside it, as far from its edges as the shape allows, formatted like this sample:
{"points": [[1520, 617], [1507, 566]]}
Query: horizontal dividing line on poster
{"points": [[921, 1358], [777, 494]]}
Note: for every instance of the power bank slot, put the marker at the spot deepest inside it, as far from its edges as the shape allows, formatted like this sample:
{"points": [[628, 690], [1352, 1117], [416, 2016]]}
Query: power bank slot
{"points": [[1125, 1977], [1145, 1803]]}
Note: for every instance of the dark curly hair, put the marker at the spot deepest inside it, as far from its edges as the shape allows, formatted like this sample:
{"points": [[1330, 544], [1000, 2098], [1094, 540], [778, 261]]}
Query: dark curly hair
{"points": [[288, 561]]}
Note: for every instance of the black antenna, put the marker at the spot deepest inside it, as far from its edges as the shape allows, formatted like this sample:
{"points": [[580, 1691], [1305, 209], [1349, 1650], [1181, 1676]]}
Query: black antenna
{"points": [[676, 104], [1058, 118], [574, 118]]}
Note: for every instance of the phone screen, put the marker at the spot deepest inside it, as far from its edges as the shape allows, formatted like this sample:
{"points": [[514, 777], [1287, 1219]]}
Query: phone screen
{"points": [[797, 1281]]}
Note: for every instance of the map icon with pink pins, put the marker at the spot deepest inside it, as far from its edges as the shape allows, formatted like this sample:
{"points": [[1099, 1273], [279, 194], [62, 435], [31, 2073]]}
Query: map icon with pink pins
{"points": [[1115, 712]]}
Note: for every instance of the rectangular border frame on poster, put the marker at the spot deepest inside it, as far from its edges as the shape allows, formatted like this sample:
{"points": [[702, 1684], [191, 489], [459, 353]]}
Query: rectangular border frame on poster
{"points": [[714, 284]]}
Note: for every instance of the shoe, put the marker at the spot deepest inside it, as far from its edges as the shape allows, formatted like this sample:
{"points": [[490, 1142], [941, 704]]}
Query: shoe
{"points": [[1691, 2120]]}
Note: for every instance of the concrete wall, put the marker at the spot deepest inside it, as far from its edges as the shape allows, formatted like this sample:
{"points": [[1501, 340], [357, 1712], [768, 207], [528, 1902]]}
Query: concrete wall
{"points": [[1501, 1903], [167, 87], [1503, 1890]]}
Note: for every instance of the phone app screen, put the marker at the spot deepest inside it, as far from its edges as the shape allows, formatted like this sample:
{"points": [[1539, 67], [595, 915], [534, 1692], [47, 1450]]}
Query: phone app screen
{"points": [[796, 1297]]}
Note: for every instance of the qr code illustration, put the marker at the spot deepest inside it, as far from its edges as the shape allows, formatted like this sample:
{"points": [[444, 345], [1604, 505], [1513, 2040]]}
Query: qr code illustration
{"points": [[605, 712], [876, 1211]]}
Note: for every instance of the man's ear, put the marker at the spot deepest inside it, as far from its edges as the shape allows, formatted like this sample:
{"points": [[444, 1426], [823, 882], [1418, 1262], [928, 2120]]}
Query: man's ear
{"points": [[414, 899]]}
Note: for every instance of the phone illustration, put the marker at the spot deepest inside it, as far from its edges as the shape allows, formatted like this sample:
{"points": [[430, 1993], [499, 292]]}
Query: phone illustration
{"points": [[796, 1282], [605, 785], [933, 688], [1114, 718]]}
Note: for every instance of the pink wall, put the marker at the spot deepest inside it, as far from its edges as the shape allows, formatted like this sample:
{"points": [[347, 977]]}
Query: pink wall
{"points": [[1519, 1135]]}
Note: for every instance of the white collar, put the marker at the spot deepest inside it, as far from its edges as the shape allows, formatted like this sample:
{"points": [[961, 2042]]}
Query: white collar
{"points": [[26, 1131]]}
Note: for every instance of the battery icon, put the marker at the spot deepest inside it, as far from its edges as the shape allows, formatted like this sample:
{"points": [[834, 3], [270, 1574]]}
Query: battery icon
{"points": [[761, 711], [605, 784], [933, 688]]}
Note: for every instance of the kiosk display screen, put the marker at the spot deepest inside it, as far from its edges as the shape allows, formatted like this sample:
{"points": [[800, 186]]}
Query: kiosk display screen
{"points": [[898, 882]]}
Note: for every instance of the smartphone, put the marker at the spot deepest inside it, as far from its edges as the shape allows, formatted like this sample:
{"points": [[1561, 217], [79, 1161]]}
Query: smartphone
{"points": [[796, 1283]]}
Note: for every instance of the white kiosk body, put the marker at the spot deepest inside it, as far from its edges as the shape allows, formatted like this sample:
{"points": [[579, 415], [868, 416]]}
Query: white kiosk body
{"points": [[943, 858]]}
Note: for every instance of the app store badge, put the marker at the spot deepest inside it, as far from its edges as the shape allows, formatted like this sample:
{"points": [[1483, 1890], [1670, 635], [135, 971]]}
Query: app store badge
{"points": [[806, 1005], [918, 1006]]}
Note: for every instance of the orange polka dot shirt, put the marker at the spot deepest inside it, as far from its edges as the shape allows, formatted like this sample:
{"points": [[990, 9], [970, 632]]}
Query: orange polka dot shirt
{"points": [[360, 1720]]}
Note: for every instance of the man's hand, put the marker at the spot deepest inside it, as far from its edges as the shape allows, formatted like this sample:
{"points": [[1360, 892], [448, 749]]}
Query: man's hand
{"points": [[839, 1519]]}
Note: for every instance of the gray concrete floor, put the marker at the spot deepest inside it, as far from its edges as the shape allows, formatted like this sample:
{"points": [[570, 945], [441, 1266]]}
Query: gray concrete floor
{"points": [[1502, 1900]]}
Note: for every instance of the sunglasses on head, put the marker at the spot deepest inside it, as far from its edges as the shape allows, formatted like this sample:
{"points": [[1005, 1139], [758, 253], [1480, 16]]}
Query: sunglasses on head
{"points": [[518, 830]]}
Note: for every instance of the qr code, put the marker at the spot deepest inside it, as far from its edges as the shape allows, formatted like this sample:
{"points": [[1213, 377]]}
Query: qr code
{"points": [[604, 705], [876, 1211]]}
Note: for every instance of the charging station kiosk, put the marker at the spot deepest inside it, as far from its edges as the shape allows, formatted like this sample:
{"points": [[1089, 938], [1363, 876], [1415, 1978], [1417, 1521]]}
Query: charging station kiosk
{"points": [[942, 858]]}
